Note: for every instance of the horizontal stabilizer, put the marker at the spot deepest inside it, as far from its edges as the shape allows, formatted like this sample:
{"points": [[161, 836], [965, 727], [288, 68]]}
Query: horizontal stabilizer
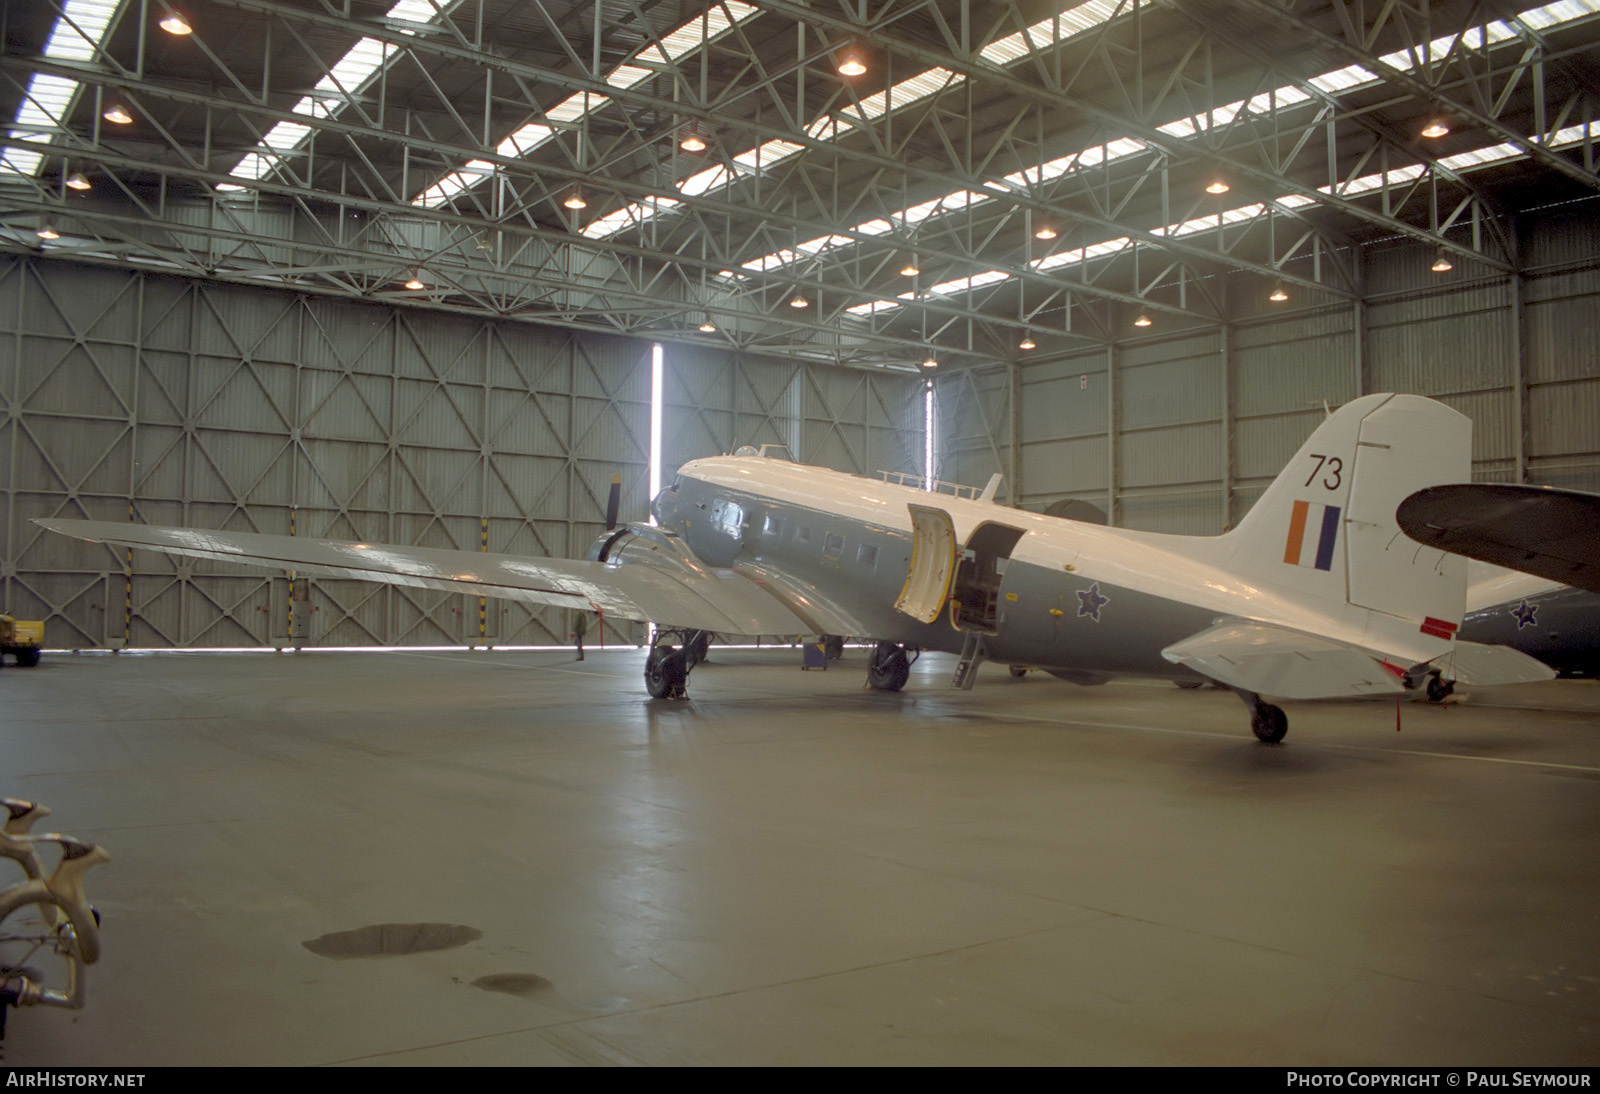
{"points": [[1286, 663], [1476, 663]]}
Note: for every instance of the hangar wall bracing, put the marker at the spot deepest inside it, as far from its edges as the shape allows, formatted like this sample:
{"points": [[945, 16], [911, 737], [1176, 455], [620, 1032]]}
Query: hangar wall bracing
{"points": [[179, 401], [1182, 433]]}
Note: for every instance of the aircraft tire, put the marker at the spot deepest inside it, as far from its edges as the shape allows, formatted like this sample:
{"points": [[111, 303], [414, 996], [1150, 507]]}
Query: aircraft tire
{"points": [[698, 651], [888, 669], [1440, 689], [1269, 723], [664, 673], [1190, 685], [28, 658], [1019, 670]]}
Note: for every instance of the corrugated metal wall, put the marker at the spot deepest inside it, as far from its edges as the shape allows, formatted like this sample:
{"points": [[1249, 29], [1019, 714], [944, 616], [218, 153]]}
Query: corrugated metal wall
{"points": [[1183, 433], [173, 401]]}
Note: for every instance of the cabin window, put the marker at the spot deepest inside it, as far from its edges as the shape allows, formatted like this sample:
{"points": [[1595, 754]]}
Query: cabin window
{"points": [[867, 555], [802, 534], [773, 525], [727, 516], [833, 544]]}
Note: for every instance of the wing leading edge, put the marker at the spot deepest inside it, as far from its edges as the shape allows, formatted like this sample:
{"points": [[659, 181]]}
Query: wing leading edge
{"points": [[1554, 534], [679, 592]]}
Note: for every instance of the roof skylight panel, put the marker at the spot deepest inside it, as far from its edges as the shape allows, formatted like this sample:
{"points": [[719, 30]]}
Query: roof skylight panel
{"points": [[967, 284], [1213, 220], [828, 127], [1563, 11], [1367, 183], [1574, 134], [1044, 33], [675, 45], [76, 36], [1343, 79], [898, 95], [1482, 157], [349, 75], [635, 214]]}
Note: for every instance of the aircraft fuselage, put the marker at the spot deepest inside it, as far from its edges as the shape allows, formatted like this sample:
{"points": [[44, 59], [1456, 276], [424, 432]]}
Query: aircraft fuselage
{"points": [[841, 545]]}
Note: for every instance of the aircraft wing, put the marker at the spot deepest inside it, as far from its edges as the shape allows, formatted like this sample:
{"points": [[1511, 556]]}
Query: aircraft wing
{"points": [[1553, 534], [1293, 664], [678, 592]]}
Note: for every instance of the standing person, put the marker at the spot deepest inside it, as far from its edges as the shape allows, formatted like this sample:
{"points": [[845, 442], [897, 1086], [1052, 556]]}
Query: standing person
{"points": [[580, 627]]}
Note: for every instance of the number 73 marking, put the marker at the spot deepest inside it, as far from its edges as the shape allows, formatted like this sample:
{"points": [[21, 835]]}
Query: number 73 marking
{"points": [[1335, 471]]}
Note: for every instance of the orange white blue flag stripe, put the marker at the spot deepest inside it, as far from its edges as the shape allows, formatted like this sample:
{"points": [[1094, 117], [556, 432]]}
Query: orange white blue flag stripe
{"points": [[1315, 549]]}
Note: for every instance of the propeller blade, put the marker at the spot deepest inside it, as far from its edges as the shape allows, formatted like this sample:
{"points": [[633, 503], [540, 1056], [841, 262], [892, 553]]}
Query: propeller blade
{"points": [[613, 502]]}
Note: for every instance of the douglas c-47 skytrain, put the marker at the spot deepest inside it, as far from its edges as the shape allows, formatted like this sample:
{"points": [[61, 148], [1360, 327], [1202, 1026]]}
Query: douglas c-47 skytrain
{"points": [[1316, 594]]}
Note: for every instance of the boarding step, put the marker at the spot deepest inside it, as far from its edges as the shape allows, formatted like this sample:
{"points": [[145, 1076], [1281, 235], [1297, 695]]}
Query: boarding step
{"points": [[974, 652]]}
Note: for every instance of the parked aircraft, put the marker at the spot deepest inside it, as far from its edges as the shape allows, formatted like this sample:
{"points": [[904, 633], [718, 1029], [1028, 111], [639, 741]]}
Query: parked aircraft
{"points": [[1535, 529], [1548, 603], [1555, 623], [1315, 594]]}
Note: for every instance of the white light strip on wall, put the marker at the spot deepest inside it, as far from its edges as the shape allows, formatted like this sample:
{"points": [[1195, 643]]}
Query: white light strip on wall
{"points": [[675, 45], [78, 33], [347, 79], [657, 393], [1332, 83], [927, 435]]}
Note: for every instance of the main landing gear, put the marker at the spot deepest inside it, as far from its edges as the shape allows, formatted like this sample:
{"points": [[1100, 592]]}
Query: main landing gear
{"points": [[667, 668], [889, 666], [1269, 723]]}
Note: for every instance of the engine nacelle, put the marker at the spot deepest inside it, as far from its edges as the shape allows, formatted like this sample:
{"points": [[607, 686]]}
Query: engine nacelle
{"points": [[644, 543]]}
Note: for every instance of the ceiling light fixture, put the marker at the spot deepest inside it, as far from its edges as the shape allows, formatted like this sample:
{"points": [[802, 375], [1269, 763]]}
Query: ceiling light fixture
{"points": [[1279, 294], [1027, 343], [77, 181], [708, 326], [175, 24], [117, 114], [1435, 129], [799, 302], [47, 232], [1142, 321], [692, 141], [910, 268], [415, 281], [1217, 186], [850, 62], [931, 362], [1044, 232], [575, 200], [1441, 262]]}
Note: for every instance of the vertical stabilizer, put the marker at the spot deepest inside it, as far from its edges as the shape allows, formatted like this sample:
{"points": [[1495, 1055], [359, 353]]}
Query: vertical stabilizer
{"points": [[1325, 530]]}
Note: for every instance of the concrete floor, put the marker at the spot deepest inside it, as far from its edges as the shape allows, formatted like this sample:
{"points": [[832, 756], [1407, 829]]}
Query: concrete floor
{"points": [[789, 869]]}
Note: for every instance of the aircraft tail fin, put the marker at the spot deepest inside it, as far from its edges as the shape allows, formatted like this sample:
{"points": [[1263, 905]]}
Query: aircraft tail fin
{"points": [[1325, 530]]}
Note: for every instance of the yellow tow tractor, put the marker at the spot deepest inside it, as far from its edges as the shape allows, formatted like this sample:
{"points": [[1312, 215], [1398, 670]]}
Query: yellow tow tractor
{"points": [[22, 638]]}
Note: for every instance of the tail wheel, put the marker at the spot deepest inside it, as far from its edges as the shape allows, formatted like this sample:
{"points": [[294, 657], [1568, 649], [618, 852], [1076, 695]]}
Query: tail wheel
{"points": [[1269, 723], [1440, 689], [1019, 670]]}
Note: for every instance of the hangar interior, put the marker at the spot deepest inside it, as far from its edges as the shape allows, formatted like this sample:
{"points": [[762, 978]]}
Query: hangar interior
{"points": [[402, 271]]}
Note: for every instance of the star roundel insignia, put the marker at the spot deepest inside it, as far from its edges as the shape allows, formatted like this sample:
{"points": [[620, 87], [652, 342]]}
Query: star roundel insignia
{"points": [[1091, 600], [1527, 615]]}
